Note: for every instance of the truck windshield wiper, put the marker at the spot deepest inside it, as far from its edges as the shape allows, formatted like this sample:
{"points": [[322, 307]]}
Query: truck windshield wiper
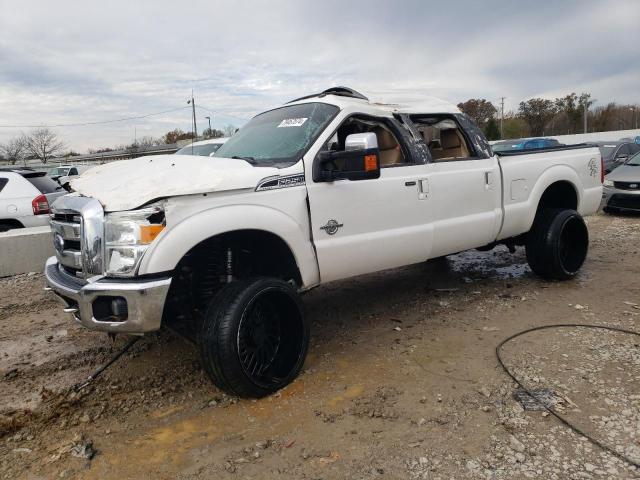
{"points": [[250, 160]]}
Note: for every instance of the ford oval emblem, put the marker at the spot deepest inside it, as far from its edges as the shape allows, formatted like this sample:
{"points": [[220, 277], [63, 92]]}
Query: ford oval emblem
{"points": [[58, 242], [331, 227]]}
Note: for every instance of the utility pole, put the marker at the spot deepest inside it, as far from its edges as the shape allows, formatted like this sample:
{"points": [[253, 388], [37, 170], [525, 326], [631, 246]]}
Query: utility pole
{"points": [[193, 108], [210, 132], [502, 118], [585, 107]]}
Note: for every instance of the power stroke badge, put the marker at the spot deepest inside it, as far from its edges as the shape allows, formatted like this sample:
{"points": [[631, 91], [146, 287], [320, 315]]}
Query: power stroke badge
{"points": [[331, 227]]}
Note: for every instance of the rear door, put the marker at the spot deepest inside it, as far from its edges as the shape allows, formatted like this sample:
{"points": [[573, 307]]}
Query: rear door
{"points": [[464, 185], [16, 196], [466, 203]]}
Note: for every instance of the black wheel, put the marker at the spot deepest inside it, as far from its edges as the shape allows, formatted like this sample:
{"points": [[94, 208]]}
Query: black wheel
{"points": [[557, 244], [254, 338]]}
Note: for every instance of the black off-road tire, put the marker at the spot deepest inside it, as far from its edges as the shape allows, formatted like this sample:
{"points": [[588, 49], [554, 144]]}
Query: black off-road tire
{"points": [[557, 244], [254, 337]]}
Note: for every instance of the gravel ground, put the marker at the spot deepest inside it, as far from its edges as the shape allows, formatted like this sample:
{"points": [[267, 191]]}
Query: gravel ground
{"points": [[401, 382]]}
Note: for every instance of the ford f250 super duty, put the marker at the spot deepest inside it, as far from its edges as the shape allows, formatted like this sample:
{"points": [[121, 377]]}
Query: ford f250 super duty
{"points": [[323, 188]]}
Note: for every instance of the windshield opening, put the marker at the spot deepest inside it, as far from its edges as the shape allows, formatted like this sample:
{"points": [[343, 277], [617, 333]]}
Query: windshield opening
{"points": [[634, 160], [59, 172], [282, 135]]}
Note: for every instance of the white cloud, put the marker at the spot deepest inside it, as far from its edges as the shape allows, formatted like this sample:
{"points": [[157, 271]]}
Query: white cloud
{"points": [[68, 62]]}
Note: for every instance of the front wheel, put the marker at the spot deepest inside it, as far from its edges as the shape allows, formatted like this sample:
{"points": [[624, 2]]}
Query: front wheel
{"points": [[557, 244], [254, 338]]}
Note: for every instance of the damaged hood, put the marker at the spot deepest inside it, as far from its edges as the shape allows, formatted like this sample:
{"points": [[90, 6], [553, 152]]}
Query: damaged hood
{"points": [[128, 184]]}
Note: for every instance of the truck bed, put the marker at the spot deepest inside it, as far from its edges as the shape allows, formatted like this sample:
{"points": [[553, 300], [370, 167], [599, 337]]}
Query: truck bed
{"points": [[526, 174]]}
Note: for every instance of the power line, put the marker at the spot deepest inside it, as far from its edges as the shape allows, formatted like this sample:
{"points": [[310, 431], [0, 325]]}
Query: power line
{"points": [[99, 122], [220, 113]]}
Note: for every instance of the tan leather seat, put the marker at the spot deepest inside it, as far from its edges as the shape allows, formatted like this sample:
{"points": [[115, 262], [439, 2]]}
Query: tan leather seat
{"points": [[453, 146], [390, 152]]}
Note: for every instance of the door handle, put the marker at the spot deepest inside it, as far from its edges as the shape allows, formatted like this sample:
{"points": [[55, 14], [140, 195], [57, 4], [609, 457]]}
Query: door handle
{"points": [[488, 180], [423, 188]]}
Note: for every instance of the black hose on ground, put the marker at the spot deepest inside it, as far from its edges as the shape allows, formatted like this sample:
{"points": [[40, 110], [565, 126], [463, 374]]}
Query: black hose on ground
{"points": [[95, 374], [550, 409]]}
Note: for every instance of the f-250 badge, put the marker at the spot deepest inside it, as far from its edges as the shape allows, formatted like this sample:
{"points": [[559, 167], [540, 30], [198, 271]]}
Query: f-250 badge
{"points": [[331, 227], [593, 170]]}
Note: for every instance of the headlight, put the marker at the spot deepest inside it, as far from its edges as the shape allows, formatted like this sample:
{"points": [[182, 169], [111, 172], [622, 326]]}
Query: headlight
{"points": [[127, 237], [608, 183]]}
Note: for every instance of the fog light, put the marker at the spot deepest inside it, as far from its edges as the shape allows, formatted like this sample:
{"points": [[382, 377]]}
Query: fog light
{"points": [[119, 309], [110, 309]]}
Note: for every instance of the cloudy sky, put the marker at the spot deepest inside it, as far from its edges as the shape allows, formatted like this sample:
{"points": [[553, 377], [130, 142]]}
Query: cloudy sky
{"points": [[69, 62]]}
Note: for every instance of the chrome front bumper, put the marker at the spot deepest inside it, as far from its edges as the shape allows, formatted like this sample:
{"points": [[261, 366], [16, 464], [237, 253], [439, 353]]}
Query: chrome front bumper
{"points": [[144, 300]]}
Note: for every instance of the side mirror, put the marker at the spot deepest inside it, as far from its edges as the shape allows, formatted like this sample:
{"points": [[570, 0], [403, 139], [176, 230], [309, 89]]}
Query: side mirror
{"points": [[359, 161]]}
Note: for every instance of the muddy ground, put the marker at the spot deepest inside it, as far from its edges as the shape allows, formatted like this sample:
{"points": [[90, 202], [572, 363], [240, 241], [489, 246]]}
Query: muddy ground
{"points": [[401, 382]]}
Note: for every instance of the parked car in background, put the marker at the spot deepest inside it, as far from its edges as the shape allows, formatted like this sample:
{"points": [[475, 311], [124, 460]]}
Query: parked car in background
{"points": [[615, 154], [65, 173], [25, 196], [526, 144], [205, 148], [621, 190]]}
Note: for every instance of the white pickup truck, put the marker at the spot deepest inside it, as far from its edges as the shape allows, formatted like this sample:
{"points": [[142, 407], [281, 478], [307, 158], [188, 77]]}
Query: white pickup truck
{"points": [[326, 187]]}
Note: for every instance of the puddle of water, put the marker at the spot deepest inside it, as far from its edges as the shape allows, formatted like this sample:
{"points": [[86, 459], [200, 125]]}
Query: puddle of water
{"points": [[349, 393], [497, 264]]}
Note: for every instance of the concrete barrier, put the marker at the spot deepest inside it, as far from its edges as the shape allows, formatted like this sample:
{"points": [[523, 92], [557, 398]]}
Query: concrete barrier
{"points": [[24, 250]]}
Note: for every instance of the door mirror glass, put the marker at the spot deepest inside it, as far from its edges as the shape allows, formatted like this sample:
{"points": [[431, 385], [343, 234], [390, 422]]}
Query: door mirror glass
{"points": [[359, 161]]}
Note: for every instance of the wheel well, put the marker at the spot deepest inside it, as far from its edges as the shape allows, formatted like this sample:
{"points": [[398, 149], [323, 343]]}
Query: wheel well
{"points": [[9, 223], [218, 260], [559, 195]]}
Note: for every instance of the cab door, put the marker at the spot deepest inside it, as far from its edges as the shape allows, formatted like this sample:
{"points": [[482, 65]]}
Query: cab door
{"points": [[466, 197], [365, 226]]}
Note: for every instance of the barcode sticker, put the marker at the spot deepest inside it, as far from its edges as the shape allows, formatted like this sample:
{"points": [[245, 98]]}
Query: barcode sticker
{"points": [[292, 122]]}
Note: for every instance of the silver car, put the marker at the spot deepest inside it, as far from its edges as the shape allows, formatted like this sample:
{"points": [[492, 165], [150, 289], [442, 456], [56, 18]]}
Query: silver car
{"points": [[622, 187]]}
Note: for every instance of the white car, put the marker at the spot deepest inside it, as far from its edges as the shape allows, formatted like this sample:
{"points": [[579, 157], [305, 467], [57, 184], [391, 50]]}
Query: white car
{"points": [[326, 187], [63, 174], [25, 197], [204, 148]]}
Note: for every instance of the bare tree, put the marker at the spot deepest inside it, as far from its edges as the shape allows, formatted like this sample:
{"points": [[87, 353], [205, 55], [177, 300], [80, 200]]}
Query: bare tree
{"points": [[43, 143], [229, 130], [148, 141], [14, 150]]}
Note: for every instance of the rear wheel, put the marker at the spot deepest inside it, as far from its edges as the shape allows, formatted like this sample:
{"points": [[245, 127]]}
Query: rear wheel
{"points": [[557, 244], [254, 337]]}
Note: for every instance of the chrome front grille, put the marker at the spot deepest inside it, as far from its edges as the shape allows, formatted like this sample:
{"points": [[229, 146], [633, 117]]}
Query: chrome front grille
{"points": [[78, 232], [627, 185], [67, 240]]}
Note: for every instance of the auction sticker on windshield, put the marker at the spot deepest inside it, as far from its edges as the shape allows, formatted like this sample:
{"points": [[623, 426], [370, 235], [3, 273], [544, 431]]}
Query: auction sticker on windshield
{"points": [[292, 122]]}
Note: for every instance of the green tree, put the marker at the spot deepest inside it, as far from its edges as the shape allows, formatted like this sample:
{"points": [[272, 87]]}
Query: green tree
{"points": [[491, 131], [479, 110], [514, 126], [537, 112]]}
